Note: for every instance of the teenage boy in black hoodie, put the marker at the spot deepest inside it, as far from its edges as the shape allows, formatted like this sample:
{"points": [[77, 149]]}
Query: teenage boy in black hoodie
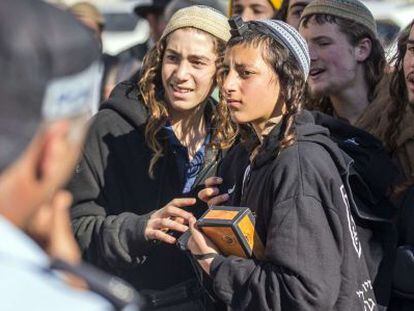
{"points": [[150, 147], [296, 183]]}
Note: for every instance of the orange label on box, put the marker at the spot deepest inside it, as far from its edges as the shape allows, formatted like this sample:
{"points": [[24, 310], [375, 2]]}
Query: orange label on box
{"points": [[225, 240], [221, 214], [246, 227], [252, 239]]}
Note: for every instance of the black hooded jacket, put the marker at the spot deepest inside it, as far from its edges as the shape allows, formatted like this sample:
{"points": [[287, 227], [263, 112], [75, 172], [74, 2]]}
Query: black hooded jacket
{"points": [[114, 196], [316, 257]]}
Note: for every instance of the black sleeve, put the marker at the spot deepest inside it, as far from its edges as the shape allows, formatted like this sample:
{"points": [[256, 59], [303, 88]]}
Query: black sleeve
{"points": [[114, 240], [403, 275], [107, 235], [302, 270]]}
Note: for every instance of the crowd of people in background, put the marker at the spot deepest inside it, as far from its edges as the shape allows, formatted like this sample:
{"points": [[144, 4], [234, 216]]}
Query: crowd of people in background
{"points": [[287, 107]]}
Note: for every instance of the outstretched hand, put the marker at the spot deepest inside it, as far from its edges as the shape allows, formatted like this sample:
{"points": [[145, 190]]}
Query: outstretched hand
{"points": [[170, 217]]}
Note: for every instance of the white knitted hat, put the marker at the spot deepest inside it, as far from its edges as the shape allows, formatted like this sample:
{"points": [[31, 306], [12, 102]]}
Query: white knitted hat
{"points": [[201, 17], [290, 38]]}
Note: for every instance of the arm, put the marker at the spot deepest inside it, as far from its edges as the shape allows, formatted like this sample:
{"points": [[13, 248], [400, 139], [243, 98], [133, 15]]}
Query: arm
{"points": [[118, 240], [303, 267], [104, 239]]}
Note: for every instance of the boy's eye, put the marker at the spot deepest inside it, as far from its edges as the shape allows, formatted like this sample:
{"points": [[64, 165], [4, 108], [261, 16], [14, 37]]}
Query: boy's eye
{"points": [[323, 43], [246, 73], [171, 57], [257, 11], [297, 13], [198, 63]]}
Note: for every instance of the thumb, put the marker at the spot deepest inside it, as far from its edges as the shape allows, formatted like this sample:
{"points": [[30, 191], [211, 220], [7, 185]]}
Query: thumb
{"points": [[61, 219], [63, 244]]}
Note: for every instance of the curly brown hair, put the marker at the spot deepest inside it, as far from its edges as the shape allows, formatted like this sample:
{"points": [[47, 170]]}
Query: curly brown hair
{"points": [[398, 91], [290, 75], [374, 65], [151, 93]]}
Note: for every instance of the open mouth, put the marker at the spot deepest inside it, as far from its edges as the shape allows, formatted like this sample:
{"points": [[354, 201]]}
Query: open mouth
{"points": [[315, 72], [232, 103], [181, 90]]}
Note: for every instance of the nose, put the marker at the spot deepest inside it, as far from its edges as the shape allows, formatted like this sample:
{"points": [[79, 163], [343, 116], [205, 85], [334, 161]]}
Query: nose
{"points": [[182, 71], [247, 15], [312, 52], [229, 83]]}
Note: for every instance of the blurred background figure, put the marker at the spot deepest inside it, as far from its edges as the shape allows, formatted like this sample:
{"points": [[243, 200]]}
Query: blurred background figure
{"points": [[129, 61], [395, 126], [91, 17], [50, 83], [393, 117], [254, 9], [347, 59], [176, 5], [291, 11], [153, 12]]}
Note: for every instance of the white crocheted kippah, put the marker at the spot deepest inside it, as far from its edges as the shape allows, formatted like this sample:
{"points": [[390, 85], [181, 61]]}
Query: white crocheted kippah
{"points": [[290, 38]]}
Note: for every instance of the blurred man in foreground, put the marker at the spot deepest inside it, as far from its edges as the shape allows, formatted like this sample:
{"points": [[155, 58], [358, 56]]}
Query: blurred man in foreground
{"points": [[50, 80]]}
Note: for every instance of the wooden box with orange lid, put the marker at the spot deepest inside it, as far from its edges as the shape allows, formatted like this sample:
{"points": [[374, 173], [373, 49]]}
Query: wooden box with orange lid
{"points": [[232, 230]]}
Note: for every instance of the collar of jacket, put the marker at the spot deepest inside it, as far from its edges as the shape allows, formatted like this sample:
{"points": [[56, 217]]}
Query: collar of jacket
{"points": [[211, 154], [268, 147]]}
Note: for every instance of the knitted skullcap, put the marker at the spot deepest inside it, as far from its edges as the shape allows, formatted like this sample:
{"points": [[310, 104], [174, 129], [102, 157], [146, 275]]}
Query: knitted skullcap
{"points": [[290, 38], [353, 10], [200, 17], [276, 4]]}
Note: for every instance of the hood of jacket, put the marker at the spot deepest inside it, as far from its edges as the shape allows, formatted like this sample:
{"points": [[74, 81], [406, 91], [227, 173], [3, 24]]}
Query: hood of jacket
{"points": [[306, 129], [340, 140], [125, 100]]}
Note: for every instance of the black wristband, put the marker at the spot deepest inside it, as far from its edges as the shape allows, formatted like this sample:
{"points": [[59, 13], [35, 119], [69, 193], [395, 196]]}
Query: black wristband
{"points": [[205, 256]]}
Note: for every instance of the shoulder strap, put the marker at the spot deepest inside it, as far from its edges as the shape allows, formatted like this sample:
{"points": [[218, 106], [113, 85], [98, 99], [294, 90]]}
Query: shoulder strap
{"points": [[120, 294]]}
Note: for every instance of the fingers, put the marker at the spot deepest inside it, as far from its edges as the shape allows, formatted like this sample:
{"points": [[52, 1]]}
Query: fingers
{"points": [[207, 193], [213, 181], [159, 227], [173, 209], [218, 200], [161, 236], [62, 243], [62, 200], [182, 202], [200, 244], [166, 224], [61, 219], [210, 194], [194, 231]]}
